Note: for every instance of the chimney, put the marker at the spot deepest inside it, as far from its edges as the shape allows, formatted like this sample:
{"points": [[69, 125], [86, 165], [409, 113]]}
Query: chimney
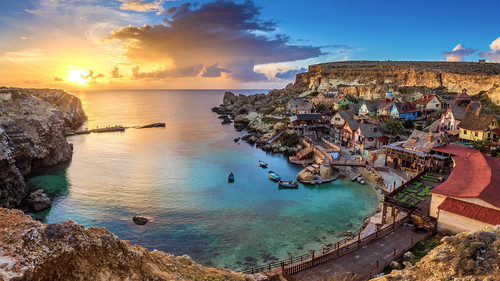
{"points": [[429, 137], [371, 99], [351, 112], [468, 108], [478, 111]]}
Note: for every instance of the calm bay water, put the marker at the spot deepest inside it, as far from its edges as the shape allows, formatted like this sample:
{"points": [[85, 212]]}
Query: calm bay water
{"points": [[176, 176]]}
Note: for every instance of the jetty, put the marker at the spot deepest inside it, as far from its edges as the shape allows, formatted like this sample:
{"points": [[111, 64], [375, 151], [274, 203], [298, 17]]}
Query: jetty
{"points": [[108, 129], [153, 125]]}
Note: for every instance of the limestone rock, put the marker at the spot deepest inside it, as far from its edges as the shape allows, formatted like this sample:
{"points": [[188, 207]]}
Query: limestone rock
{"points": [[32, 129], [395, 265], [408, 256], [39, 201], [69, 251]]}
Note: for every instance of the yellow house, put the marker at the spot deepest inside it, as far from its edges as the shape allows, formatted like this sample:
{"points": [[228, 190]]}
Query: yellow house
{"points": [[477, 127]]}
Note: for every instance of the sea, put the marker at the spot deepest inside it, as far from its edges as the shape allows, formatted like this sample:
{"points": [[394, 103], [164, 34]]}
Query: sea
{"points": [[177, 177]]}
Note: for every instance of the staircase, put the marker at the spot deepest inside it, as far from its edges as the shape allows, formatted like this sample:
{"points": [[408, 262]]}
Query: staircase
{"points": [[304, 152]]}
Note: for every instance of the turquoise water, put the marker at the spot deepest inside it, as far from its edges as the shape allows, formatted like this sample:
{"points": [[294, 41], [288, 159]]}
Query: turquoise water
{"points": [[176, 176]]}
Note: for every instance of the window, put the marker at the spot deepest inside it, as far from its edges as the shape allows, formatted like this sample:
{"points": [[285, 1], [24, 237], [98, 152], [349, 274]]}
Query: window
{"points": [[465, 132], [437, 105], [475, 134]]}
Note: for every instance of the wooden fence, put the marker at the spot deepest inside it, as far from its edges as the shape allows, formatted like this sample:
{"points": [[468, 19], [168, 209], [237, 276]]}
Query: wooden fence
{"points": [[289, 269], [304, 257]]}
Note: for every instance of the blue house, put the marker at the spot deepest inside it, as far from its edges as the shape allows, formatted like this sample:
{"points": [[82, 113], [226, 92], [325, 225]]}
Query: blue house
{"points": [[403, 111]]}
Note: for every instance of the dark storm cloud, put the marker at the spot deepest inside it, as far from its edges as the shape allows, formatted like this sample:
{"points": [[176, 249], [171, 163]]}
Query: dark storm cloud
{"points": [[289, 74], [221, 32], [188, 71], [214, 71]]}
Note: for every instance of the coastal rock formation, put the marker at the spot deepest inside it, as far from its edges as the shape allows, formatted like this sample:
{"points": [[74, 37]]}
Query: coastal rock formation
{"points": [[39, 201], [30, 250], [32, 125], [465, 256], [366, 78]]}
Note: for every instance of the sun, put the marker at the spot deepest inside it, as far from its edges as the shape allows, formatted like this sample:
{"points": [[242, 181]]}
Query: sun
{"points": [[77, 76]]}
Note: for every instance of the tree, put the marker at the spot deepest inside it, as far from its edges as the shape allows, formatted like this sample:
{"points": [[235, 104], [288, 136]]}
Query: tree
{"points": [[320, 108], [393, 127], [290, 139], [408, 124], [496, 152], [479, 144]]}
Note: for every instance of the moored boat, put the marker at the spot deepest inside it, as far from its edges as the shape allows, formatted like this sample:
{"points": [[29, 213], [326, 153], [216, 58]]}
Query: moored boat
{"points": [[274, 176], [230, 177], [288, 184], [262, 164]]}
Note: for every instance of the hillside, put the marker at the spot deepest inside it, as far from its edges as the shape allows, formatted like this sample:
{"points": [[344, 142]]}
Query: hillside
{"points": [[366, 78]]}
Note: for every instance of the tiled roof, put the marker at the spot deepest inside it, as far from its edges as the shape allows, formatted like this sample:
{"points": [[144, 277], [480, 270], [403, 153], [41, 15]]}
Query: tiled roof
{"points": [[425, 99], [419, 141], [470, 210], [353, 124], [454, 150], [496, 131], [307, 106], [474, 176], [475, 122], [371, 130], [372, 105], [385, 104], [463, 95], [406, 107], [309, 117]]}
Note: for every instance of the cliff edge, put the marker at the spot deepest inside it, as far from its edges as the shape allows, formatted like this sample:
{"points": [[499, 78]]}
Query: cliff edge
{"points": [[30, 250], [464, 257], [366, 78], [32, 125]]}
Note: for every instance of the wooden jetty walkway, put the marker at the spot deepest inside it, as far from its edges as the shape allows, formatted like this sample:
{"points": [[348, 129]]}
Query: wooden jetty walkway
{"points": [[348, 162]]}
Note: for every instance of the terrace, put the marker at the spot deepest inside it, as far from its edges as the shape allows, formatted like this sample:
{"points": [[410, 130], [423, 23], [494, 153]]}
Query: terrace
{"points": [[415, 195]]}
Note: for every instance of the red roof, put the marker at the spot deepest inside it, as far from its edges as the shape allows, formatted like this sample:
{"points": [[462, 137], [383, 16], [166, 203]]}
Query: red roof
{"points": [[474, 176], [470, 210], [496, 131], [425, 99], [382, 139], [454, 150]]}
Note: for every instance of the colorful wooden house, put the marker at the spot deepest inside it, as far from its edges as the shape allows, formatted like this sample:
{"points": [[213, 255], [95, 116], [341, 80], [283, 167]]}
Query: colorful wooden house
{"points": [[477, 127], [368, 108], [428, 103], [369, 137], [404, 110], [340, 102]]}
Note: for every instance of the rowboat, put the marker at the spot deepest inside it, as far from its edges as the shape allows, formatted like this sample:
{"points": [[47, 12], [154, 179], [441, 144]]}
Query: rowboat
{"points": [[230, 177], [274, 176], [288, 184], [262, 164]]}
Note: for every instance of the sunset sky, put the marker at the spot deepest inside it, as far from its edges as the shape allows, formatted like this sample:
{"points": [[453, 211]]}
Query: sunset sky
{"points": [[87, 44]]}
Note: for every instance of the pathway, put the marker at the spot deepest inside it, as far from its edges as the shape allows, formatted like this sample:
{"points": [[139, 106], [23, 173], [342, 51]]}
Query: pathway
{"points": [[363, 260]]}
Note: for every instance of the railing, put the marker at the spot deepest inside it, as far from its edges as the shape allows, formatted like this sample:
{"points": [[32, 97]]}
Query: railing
{"points": [[304, 257], [340, 251], [380, 267]]}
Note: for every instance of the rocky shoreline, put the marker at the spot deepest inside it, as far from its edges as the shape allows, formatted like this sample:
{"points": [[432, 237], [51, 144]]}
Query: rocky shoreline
{"points": [[258, 115], [32, 127]]}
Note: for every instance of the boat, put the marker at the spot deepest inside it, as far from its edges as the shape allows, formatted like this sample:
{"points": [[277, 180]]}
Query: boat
{"points": [[288, 184], [262, 164], [230, 177], [274, 176]]}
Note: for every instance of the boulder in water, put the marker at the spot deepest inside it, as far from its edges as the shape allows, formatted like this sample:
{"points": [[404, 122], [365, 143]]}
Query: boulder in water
{"points": [[140, 220], [39, 201]]}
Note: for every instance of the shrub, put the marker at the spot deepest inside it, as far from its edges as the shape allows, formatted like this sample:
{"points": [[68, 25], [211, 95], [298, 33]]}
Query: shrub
{"points": [[290, 139], [408, 124]]}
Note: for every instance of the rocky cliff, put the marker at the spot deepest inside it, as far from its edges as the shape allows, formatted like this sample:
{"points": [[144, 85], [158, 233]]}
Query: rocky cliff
{"points": [[32, 124], [464, 257], [30, 250], [364, 78]]}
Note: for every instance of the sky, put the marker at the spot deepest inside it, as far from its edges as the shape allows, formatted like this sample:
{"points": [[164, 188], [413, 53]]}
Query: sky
{"points": [[219, 44]]}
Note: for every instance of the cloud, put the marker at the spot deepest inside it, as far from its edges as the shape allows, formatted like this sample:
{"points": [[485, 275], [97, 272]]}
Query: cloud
{"points": [[115, 73], [143, 6], [289, 74], [494, 54], [229, 35], [34, 12], [58, 79], [214, 71], [189, 71], [91, 75], [458, 53]]}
